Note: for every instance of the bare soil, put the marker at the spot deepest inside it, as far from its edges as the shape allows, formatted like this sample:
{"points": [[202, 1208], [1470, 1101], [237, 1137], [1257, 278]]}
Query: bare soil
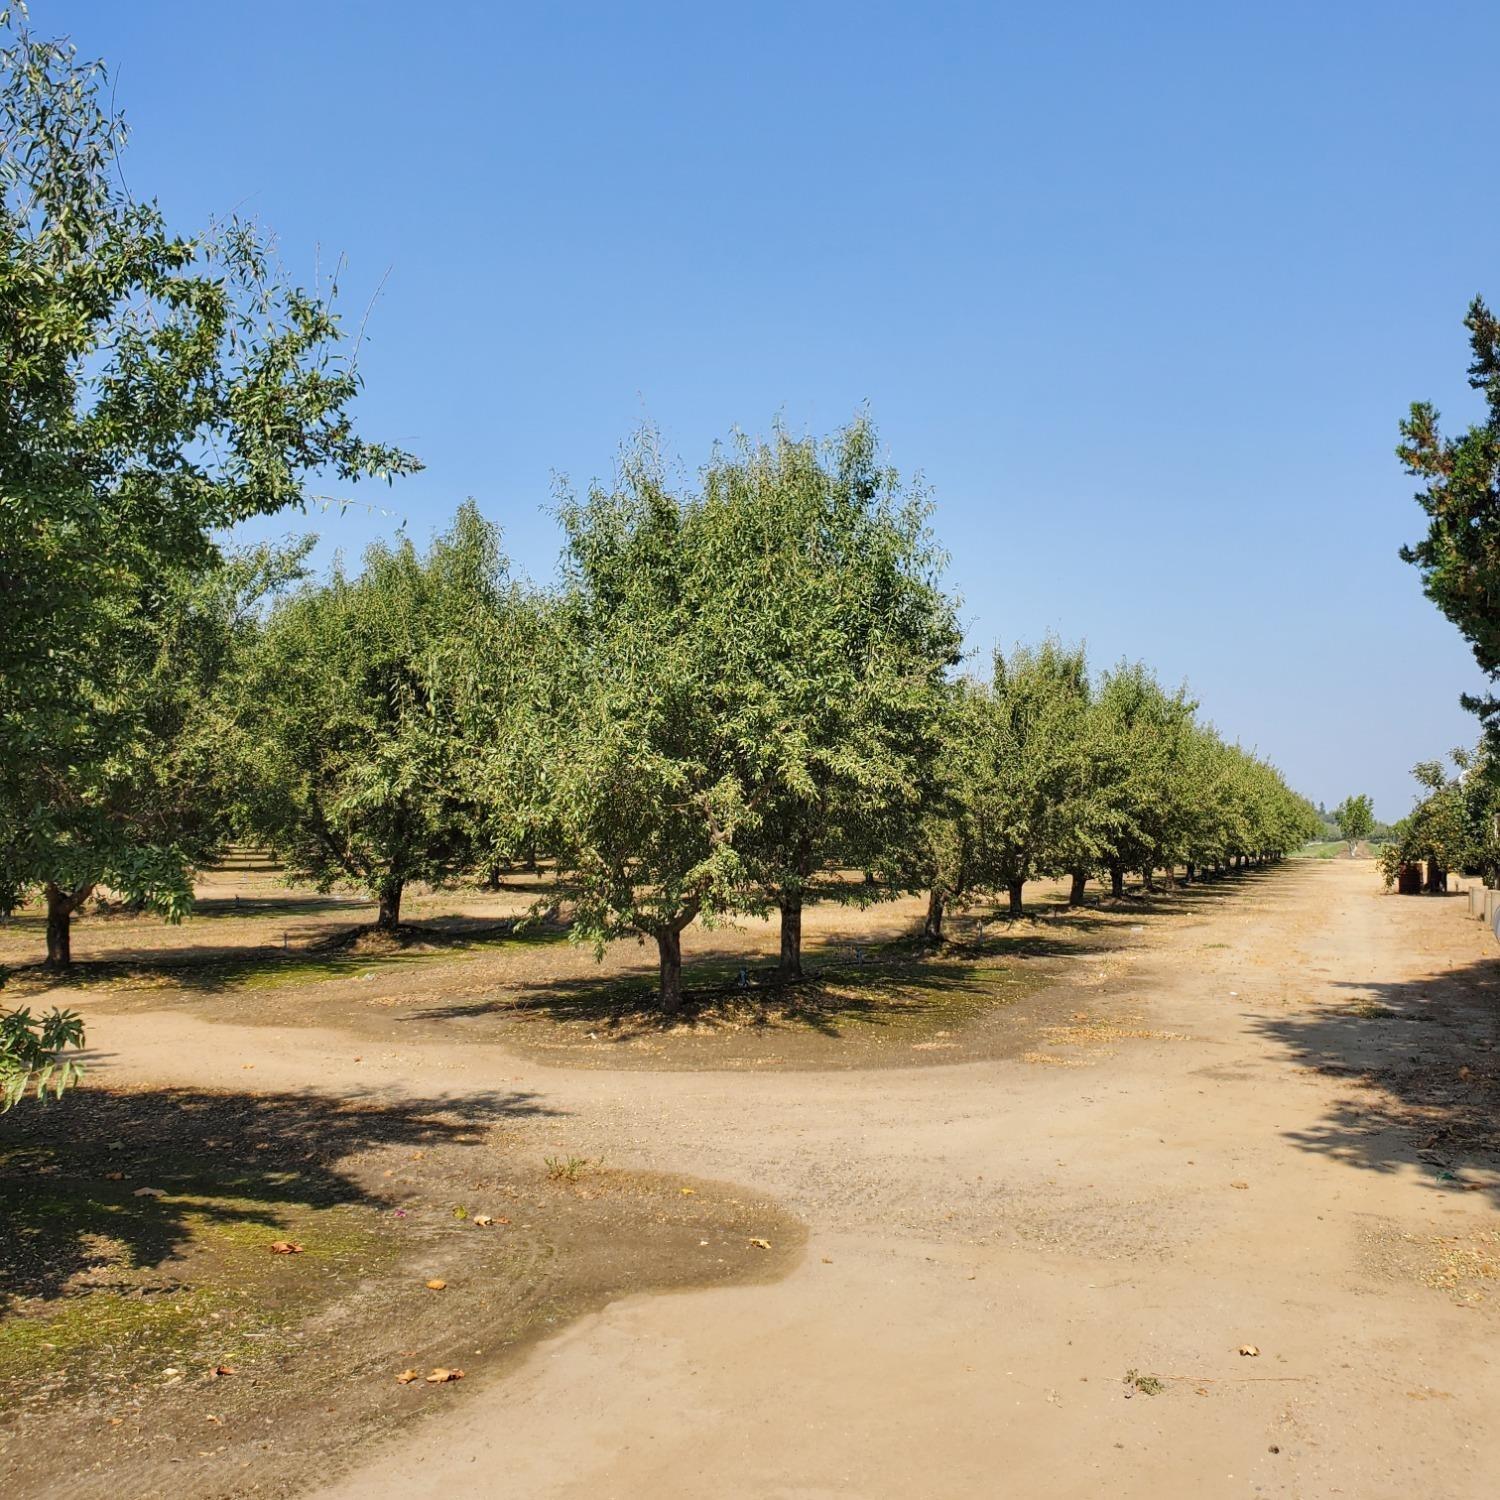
{"points": [[1258, 1117]]}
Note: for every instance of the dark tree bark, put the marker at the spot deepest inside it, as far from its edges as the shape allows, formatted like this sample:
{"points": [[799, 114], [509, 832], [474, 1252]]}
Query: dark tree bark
{"points": [[1117, 880], [1147, 879], [669, 953], [1075, 891], [388, 919], [1189, 873], [61, 905], [789, 900], [790, 965], [1437, 878], [1015, 888], [932, 926]]}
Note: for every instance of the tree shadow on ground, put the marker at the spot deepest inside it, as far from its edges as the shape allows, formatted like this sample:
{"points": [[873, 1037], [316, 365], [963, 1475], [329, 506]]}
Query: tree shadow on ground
{"points": [[107, 1177], [221, 907], [342, 953], [876, 982], [723, 991], [1421, 1058]]}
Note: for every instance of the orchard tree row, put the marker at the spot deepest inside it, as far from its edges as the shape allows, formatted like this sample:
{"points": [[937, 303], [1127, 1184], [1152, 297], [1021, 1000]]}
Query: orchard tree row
{"points": [[728, 696], [732, 699]]}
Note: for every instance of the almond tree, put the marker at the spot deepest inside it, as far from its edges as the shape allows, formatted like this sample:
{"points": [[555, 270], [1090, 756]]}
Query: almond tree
{"points": [[1041, 760], [156, 389], [646, 767], [366, 708], [1355, 816], [1146, 800], [832, 637]]}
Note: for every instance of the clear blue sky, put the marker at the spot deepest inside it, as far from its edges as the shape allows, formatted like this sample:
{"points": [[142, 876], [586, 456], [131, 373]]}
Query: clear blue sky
{"points": [[1141, 289]]}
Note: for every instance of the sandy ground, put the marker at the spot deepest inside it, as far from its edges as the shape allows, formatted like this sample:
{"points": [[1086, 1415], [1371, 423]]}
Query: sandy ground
{"points": [[1269, 1129]]}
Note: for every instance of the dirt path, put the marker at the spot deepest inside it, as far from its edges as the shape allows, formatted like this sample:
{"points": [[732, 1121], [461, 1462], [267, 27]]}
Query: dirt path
{"points": [[1255, 1133]]}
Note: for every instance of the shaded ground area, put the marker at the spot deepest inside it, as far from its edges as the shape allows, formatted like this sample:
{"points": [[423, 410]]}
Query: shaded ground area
{"points": [[483, 965], [1420, 1062], [197, 1284]]}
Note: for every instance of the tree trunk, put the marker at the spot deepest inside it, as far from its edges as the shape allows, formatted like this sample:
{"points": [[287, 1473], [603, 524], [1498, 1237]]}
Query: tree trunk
{"points": [[61, 905], [932, 927], [1189, 872], [389, 916], [1437, 878], [790, 967], [1146, 879], [1075, 891], [1116, 880], [1015, 888], [669, 950]]}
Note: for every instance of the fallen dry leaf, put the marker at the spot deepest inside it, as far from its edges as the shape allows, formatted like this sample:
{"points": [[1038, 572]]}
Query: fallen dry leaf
{"points": [[761, 1244], [1240, 1185], [114, 1177], [146, 1192], [442, 1377], [436, 1284], [285, 1247], [1249, 1349], [482, 1221], [406, 1377], [688, 1192], [219, 1370]]}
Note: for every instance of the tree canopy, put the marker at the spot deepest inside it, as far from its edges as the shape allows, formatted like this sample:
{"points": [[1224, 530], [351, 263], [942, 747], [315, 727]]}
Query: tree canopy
{"points": [[832, 640], [157, 387], [1355, 816], [1459, 558], [364, 707]]}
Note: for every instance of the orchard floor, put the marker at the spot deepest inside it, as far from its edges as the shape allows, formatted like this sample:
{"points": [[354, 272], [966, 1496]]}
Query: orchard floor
{"points": [[470, 967], [1260, 1116]]}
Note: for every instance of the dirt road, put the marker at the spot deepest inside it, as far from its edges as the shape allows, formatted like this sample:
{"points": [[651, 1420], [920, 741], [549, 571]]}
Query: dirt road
{"points": [[1268, 1129]]}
